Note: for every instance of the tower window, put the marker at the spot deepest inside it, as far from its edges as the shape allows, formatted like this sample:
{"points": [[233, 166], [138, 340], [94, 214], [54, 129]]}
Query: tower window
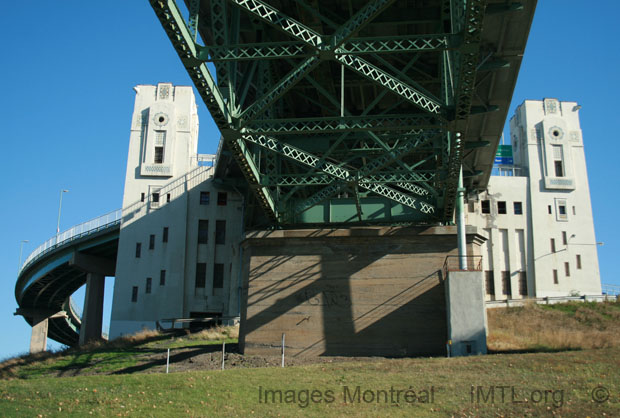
{"points": [[151, 242], [220, 232], [558, 160], [221, 198], [138, 249], [578, 261], [162, 278], [134, 294], [159, 155], [203, 231], [204, 198], [218, 276], [501, 208], [201, 275], [564, 238], [522, 283], [549, 209], [567, 269], [148, 285], [506, 286], [552, 245], [142, 197], [485, 206], [164, 235], [490, 282], [555, 277], [518, 208], [168, 198]]}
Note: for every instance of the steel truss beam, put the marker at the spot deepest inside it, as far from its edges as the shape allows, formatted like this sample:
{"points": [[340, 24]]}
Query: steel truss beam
{"points": [[279, 20], [384, 79], [344, 174], [248, 102], [340, 124]]}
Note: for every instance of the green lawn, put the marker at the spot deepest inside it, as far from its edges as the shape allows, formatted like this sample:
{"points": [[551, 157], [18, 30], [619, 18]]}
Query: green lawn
{"points": [[543, 384]]}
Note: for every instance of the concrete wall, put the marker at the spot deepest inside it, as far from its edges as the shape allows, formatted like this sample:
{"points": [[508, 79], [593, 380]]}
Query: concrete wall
{"points": [[179, 210], [466, 310], [360, 291]]}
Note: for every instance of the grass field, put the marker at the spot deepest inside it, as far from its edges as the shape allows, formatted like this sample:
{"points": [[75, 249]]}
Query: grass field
{"points": [[552, 380]]}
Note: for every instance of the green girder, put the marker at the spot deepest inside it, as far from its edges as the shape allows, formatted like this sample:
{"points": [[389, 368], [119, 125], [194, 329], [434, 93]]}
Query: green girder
{"points": [[392, 129]]}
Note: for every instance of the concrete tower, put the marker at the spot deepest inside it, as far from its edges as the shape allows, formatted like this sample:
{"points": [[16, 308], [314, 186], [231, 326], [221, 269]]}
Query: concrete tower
{"points": [[170, 264], [537, 213]]}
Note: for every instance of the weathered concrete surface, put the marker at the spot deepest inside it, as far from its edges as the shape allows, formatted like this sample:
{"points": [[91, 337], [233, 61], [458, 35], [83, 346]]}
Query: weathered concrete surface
{"points": [[467, 324], [360, 291]]}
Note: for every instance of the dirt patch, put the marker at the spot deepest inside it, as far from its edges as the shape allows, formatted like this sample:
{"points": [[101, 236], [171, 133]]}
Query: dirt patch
{"points": [[210, 358]]}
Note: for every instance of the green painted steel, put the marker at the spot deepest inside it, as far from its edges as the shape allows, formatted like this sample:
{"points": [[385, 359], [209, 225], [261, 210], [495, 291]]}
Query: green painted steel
{"points": [[383, 146]]}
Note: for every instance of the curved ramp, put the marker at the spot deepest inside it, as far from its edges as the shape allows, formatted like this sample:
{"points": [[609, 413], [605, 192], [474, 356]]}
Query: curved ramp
{"points": [[53, 272]]}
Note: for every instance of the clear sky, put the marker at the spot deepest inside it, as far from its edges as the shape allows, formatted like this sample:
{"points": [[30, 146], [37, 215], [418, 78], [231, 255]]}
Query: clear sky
{"points": [[67, 100]]}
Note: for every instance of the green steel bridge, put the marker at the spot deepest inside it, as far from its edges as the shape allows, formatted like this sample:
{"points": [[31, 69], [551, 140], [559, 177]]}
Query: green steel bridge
{"points": [[357, 112]]}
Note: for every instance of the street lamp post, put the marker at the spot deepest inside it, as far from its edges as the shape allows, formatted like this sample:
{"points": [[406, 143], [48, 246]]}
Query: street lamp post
{"points": [[59, 209], [21, 248]]}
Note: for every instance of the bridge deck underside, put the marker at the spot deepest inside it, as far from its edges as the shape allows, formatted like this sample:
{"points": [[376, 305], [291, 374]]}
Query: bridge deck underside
{"points": [[48, 283], [361, 111]]}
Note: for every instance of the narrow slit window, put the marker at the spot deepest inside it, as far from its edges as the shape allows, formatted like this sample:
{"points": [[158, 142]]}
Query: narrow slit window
{"points": [[164, 235], [522, 283], [134, 294], [203, 231], [162, 278], [564, 238], [549, 209], [152, 242], [220, 232], [555, 277], [506, 286], [552, 245], [218, 276], [578, 261], [490, 282], [149, 283], [201, 275], [138, 249], [567, 269]]}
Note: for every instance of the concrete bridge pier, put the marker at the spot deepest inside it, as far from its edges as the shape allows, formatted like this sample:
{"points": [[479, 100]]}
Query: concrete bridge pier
{"points": [[92, 314], [40, 321], [96, 268]]}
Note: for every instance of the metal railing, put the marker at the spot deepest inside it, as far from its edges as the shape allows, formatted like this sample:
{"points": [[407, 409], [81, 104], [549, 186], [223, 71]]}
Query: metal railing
{"points": [[550, 300], [611, 289], [451, 263], [73, 233]]}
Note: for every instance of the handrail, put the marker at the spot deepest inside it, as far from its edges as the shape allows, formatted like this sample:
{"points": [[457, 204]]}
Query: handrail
{"points": [[73, 233], [175, 187]]}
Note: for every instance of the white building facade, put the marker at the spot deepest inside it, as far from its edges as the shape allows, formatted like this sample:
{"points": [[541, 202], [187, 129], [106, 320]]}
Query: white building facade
{"points": [[538, 215], [179, 238]]}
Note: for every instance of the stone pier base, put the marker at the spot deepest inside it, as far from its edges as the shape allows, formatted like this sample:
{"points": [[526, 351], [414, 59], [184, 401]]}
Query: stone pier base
{"points": [[376, 291]]}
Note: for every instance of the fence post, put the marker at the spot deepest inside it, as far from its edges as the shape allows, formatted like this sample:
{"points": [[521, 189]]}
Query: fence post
{"points": [[283, 336]]}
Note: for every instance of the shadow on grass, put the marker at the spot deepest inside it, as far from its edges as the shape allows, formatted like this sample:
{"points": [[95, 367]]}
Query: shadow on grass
{"points": [[79, 358], [180, 357]]}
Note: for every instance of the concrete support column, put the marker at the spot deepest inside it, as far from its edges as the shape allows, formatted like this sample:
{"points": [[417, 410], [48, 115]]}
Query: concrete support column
{"points": [[92, 314], [38, 339]]}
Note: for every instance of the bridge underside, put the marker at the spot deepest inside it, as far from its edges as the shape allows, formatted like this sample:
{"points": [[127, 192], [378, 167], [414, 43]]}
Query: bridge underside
{"points": [[352, 112]]}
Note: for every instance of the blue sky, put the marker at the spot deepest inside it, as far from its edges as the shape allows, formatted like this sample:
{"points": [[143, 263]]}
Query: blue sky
{"points": [[67, 101]]}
